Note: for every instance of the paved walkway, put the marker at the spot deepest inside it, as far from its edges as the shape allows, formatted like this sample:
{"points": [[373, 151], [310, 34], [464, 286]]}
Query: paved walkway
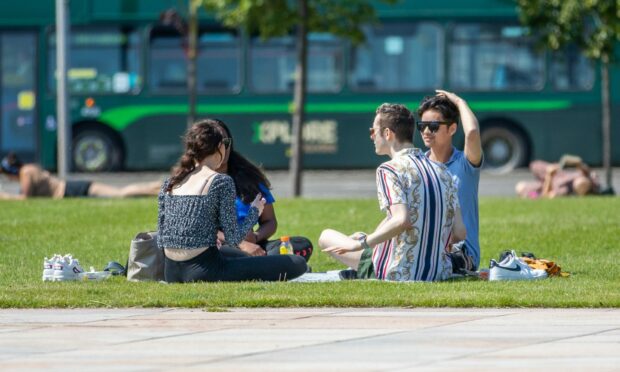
{"points": [[310, 339]]}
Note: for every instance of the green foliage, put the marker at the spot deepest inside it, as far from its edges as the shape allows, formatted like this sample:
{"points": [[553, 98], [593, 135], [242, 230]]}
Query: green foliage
{"points": [[594, 25], [272, 18], [580, 234]]}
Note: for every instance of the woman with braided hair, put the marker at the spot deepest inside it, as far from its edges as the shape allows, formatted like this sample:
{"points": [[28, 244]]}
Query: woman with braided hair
{"points": [[195, 203]]}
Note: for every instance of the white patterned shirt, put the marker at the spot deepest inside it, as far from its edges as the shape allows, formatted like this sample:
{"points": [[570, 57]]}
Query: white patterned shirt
{"points": [[428, 190]]}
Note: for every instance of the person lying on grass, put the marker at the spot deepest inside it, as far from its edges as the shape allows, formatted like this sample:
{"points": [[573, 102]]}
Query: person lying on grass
{"points": [[558, 179], [37, 182], [420, 199]]}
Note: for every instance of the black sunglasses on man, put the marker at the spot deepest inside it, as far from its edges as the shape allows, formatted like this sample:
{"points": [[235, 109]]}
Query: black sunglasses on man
{"points": [[433, 126]]}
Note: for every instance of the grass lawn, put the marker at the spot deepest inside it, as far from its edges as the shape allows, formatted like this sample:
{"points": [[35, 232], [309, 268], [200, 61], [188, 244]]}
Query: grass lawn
{"points": [[581, 234]]}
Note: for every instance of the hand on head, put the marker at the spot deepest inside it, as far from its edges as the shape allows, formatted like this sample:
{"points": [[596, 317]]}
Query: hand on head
{"points": [[552, 169], [451, 96]]}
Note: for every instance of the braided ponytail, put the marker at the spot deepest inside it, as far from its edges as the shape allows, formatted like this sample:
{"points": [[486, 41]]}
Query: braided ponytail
{"points": [[201, 140]]}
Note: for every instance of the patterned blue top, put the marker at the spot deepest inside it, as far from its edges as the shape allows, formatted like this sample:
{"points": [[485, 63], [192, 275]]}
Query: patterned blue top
{"points": [[192, 221], [244, 208]]}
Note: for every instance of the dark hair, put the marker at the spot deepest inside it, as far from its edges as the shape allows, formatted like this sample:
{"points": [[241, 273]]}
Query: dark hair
{"points": [[246, 175], [11, 164], [201, 140], [441, 104], [399, 119]]}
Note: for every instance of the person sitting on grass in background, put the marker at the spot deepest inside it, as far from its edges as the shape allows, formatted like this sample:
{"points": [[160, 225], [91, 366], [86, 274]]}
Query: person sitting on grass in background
{"points": [[420, 199], [439, 116], [37, 182], [249, 181], [556, 179], [196, 202]]}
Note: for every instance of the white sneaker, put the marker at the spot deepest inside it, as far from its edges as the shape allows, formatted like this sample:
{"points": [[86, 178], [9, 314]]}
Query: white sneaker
{"points": [[67, 268], [512, 268], [48, 267]]}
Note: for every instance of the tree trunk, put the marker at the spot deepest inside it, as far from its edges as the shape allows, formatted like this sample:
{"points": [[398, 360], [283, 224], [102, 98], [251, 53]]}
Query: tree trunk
{"points": [[191, 61], [606, 123], [296, 161]]}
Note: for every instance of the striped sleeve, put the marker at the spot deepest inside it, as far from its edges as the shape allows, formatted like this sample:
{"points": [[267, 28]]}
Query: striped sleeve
{"points": [[454, 191], [389, 187]]}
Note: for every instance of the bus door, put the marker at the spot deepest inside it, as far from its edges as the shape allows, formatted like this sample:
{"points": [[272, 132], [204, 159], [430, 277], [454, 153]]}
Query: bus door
{"points": [[17, 94]]}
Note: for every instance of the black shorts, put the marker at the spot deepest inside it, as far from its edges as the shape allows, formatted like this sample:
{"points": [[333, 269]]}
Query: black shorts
{"points": [[76, 189]]}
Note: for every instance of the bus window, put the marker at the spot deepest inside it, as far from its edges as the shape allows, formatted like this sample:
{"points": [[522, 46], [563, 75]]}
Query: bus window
{"points": [[494, 57], [399, 57], [272, 67], [102, 62], [571, 70], [18, 61], [218, 63]]}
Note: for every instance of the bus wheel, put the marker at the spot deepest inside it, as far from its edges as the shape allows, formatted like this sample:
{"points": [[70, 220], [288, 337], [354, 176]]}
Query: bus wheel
{"points": [[504, 149], [96, 150]]}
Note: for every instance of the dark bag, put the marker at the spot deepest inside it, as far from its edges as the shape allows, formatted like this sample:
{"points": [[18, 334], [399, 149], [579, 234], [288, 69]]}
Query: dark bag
{"points": [[146, 260]]}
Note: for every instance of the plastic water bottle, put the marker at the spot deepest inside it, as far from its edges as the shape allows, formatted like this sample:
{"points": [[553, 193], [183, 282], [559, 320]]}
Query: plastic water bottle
{"points": [[285, 245], [94, 276]]}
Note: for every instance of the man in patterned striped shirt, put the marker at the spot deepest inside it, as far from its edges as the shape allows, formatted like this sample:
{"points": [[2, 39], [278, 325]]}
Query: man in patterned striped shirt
{"points": [[420, 200]]}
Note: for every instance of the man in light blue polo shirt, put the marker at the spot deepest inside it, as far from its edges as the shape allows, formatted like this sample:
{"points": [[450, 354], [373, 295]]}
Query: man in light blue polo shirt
{"points": [[439, 116]]}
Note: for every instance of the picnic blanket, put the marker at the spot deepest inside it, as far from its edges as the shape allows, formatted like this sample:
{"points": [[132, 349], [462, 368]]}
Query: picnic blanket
{"points": [[329, 276]]}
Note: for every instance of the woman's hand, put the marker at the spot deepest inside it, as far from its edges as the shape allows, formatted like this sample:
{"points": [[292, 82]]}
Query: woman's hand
{"points": [[220, 239], [259, 203], [251, 236], [251, 248]]}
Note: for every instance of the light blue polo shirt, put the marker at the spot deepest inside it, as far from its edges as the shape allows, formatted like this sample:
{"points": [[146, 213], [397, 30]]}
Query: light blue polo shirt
{"points": [[467, 178]]}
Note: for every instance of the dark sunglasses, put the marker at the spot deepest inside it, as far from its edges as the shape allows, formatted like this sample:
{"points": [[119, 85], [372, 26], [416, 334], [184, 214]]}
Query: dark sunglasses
{"points": [[433, 126], [227, 142]]}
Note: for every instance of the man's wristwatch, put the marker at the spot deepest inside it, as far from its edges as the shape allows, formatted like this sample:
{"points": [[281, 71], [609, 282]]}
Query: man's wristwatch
{"points": [[363, 242]]}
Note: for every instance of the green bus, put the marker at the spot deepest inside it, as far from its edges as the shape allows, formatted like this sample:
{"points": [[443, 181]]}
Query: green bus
{"points": [[128, 97]]}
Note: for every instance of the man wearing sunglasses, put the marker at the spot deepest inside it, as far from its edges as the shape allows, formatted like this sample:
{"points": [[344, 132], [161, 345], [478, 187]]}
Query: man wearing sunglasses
{"points": [[439, 116], [420, 201]]}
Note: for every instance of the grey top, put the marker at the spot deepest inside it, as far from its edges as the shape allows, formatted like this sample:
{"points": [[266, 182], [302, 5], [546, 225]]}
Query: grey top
{"points": [[192, 221]]}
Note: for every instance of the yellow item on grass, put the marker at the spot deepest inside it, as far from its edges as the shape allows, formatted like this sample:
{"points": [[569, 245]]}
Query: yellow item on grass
{"points": [[550, 267]]}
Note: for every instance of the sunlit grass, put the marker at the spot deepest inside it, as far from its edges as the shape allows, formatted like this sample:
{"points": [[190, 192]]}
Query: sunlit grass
{"points": [[582, 235]]}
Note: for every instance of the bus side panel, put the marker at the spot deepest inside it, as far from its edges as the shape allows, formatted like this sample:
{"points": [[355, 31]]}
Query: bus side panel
{"points": [[546, 131], [330, 140]]}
